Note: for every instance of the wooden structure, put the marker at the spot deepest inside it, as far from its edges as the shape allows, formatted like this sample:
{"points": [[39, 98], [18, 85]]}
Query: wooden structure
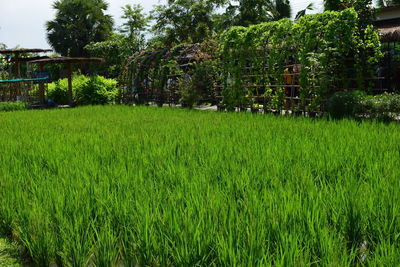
{"points": [[149, 79], [388, 23], [68, 62], [16, 57]]}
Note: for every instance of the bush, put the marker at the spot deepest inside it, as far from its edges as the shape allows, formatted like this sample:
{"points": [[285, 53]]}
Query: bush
{"points": [[345, 104], [357, 103], [381, 106], [86, 90], [12, 106]]}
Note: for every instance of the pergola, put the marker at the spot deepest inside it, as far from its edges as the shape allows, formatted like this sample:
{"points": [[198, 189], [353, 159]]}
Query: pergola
{"points": [[16, 59], [68, 61]]}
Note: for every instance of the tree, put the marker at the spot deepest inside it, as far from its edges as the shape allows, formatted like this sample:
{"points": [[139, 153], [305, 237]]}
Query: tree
{"points": [[282, 9], [249, 12], [364, 8], [333, 5], [117, 49], [78, 23], [184, 21], [304, 11], [136, 22]]}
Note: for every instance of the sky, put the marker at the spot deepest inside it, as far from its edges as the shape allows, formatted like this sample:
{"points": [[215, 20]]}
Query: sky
{"points": [[22, 22]]}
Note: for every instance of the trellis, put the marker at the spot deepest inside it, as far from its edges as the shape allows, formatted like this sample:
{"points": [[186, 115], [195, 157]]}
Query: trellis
{"points": [[328, 50], [276, 66], [152, 76]]}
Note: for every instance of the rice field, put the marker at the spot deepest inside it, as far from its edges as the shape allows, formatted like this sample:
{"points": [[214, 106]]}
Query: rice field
{"points": [[146, 186]]}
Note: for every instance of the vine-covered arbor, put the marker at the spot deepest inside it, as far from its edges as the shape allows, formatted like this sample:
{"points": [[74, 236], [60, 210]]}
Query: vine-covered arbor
{"points": [[390, 65], [281, 65], [163, 76]]}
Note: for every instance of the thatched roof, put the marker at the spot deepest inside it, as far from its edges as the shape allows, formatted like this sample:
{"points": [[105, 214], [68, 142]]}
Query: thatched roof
{"points": [[389, 33], [72, 60], [24, 50]]}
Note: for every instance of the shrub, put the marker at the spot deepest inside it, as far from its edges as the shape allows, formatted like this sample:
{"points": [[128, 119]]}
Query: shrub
{"points": [[380, 106], [86, 90], [12, 106], [357, 103], [345, 104]]}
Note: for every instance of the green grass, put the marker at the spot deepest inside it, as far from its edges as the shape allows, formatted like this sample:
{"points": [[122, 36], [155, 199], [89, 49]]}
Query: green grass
{"points": [[9, 254], [12, 106], [168, 187]]}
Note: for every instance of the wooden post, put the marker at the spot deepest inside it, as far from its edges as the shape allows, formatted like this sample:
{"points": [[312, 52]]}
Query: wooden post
{"points": [[41, 87], [17, 74], [70, 96]]}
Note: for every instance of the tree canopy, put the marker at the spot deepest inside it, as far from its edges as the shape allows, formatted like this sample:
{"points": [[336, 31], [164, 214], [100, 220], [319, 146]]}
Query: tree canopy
{"points": [[183, 21], [136, 21], [117, 48], [188, 21], [76, 24]]}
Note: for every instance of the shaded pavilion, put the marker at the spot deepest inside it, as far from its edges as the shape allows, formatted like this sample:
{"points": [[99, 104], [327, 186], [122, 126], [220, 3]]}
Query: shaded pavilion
{"points": [[16, 59], [68, 62]]}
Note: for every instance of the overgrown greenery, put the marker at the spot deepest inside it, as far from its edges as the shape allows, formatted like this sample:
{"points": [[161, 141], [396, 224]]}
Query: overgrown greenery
{"points": [[168, 187], [190, 71], [327, 49], [120, 46], [359, 104], [12, 106], [86, 90]]}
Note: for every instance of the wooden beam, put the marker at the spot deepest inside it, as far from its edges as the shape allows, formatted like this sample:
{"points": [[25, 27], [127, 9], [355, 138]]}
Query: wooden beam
{"points": [[70, 95], [41, 87], [17, 74]]}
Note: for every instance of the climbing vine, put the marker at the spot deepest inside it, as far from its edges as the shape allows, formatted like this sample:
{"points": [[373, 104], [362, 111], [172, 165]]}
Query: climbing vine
{"points": [[329, 50], [271, 63], [183, 74]]}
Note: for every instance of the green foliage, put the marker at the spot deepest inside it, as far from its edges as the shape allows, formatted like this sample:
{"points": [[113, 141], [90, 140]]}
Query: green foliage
{"points": [[380, 106], [250, 12], [358, 103], [115, 51], [12, 106], [183, 21], [119, 47], [141, 186], [189, 70], [324, 46], [86, 90], [333, 5], [136, 22], [78, 23], [199, 83], [345, 104], [9, 254]]}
